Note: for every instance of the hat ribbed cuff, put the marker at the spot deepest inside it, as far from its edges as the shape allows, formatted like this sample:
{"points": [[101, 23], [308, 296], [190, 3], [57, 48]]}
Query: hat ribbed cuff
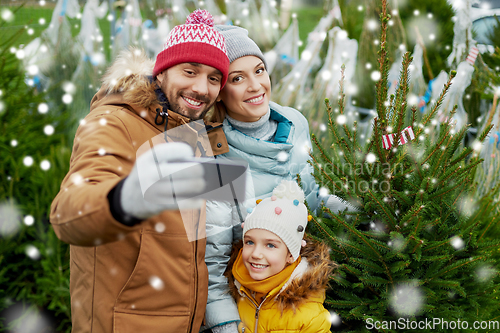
{"points": [[197, 52]]}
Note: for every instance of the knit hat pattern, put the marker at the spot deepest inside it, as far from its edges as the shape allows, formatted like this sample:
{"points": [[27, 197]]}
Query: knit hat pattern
{"points": [[283, 214], [195, 41], [238, 44]]}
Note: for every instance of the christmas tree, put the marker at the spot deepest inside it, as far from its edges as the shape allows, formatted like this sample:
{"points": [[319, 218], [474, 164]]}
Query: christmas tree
{"points": [[34, 274], [419, 253]]}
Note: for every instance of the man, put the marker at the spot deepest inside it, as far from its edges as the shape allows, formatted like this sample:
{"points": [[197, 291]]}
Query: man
{"points": [[133, 268]]}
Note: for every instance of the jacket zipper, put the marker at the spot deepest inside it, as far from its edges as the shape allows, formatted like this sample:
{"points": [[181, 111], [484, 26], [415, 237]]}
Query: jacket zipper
{"points": [[257, 318], [195, 275], [257, 309]]}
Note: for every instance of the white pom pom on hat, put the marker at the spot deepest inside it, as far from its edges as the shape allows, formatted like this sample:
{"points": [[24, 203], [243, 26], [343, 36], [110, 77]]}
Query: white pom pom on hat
{"points": [[195, 41], [284, 214]]}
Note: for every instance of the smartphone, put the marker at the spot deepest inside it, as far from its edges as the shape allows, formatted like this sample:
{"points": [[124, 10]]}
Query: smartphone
{"points": [[225, 179]]}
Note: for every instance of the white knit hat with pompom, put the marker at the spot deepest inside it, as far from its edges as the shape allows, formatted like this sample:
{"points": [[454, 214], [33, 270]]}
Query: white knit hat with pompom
{"points": [[284, 214]]}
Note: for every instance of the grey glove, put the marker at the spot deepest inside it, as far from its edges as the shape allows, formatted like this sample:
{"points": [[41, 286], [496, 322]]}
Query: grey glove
{"points": [[227, 328], [335, 204], [162, 178]]}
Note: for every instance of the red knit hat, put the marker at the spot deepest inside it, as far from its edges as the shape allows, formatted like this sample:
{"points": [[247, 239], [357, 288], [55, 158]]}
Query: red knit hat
{"points": [[195, 41]]}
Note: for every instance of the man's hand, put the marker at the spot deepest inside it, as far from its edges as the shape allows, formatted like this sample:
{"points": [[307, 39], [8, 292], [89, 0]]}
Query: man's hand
{"points": [[160, 178]]}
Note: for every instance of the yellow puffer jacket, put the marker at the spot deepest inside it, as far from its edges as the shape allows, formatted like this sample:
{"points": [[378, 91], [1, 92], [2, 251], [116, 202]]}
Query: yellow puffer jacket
{"points": [[294, 306]]}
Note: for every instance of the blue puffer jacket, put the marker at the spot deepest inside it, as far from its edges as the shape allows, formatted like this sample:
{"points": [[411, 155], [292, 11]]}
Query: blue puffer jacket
{"points": [[269, 163]]}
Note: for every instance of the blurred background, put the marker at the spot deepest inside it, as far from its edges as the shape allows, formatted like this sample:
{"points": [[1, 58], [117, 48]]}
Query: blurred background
{"points": [[54, 52]]}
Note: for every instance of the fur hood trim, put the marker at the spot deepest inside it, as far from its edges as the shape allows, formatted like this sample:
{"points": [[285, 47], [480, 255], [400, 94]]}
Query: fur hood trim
{"points": [[309, 279], [131, 75]]}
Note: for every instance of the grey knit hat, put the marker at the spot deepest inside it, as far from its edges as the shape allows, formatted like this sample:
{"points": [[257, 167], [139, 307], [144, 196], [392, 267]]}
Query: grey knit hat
{"points": [[238, 44]]}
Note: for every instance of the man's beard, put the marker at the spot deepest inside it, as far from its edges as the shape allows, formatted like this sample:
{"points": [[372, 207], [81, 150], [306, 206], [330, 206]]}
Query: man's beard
{"points": [[175, 107]]}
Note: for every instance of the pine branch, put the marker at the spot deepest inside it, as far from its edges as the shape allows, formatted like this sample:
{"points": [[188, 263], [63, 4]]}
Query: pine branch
{"points": [[341, 100], [322, 171], [444, 191], [383, 68], [492, 221], [362, 238], [329, 234], [378, 138], [413, 116], [384, 209], [411, 214], [363, 263], [440, 160], [336, 136], [325, 157], [437, 147], [400, 104], [402, 197], [437, 105], [457, 265]]}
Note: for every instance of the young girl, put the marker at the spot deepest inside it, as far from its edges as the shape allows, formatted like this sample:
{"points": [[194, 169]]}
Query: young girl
{"points": [[279, 283], [275, 142]]}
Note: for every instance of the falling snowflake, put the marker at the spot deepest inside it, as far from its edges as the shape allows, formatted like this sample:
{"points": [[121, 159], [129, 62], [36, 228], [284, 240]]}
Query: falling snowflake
{"points": [[76, 178], [372, 25], [10, 219], [29, 220], [45, 165], [33, 70], [457, 242], [341, 119], [67, 99], [323, 191], [282, 156], [32, 320], [326, 75], [48, 130], [407, 300], [375, 75], [484, 273], [32, 252], [397, 243], [306, 55], [335, 319], [28, 161], [160, 227], [477, 145], [43, 108], [156, 283], [20, 54], [7, 15], [371, 158]]}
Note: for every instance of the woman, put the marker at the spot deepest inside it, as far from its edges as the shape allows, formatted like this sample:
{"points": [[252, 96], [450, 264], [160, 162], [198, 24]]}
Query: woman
{"points": [[274, 140]]}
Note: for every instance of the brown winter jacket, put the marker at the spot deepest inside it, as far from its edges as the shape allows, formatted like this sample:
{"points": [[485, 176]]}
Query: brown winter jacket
{"points": [[145, 278]]}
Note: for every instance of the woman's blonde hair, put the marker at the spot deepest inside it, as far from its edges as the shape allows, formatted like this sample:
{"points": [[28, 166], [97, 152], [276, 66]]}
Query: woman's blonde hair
{"points": [[218, 112]]}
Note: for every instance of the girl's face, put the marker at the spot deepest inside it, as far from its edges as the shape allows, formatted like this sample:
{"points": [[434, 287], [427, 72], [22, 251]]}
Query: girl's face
{"points": [[248, 89], [264, 254]]}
